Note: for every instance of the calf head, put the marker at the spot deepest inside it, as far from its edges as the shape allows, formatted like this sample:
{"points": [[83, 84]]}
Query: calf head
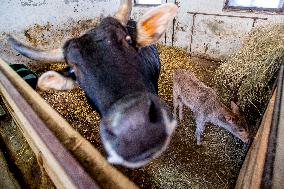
{"points": [[119, 82], [236, 124]]}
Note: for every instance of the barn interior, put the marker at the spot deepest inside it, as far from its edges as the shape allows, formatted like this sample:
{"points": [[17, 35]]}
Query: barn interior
{"points": [[233, 46]]}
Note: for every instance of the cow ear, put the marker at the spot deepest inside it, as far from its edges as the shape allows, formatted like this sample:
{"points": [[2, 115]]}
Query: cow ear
{"points": [[53, 80], [154, 23]]}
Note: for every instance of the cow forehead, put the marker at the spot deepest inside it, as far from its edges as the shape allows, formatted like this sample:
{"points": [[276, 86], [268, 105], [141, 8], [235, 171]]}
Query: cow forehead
{"points": [[108, 30], [110, 21]]}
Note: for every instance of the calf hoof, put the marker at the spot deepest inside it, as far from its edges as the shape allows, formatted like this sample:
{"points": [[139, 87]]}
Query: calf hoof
{"points": [[198, 142]]}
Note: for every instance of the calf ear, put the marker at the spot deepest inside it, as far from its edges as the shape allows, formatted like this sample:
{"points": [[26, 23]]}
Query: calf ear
{"points": [[235, 108], [55, 81], [154, 23]]}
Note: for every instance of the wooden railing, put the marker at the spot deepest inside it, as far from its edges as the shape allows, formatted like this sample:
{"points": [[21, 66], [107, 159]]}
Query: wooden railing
{"points": [[69, 159]]}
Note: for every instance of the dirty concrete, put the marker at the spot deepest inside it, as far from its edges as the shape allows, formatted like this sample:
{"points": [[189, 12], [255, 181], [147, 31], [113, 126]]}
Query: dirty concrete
{"points": [[188, 31], [213, 36], [16, 15], [33, 2], [191, 30], [46, 36], [183, 27]]}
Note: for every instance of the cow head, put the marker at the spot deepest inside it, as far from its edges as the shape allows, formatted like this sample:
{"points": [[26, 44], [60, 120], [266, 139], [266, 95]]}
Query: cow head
{"points": [[111, 68]]}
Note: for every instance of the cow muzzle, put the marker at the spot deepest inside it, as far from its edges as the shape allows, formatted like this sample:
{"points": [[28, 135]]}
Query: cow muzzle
{"points": [[136, 129]]}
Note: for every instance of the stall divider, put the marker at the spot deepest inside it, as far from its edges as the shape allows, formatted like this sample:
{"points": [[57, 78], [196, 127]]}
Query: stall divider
{"points": [[20, 97]]}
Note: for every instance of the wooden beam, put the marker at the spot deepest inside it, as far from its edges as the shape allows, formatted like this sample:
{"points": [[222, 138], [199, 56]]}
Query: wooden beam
{"points": [[62, 168], [278, 172], [273, 169], [250, 176]]}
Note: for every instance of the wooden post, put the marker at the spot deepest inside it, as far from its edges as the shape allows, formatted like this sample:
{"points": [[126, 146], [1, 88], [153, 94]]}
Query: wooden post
{"points": [[250, 176]]}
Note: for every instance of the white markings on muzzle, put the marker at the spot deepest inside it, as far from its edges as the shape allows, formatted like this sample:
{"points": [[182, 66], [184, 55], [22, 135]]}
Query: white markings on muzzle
{"points": [[170, 125], [115, 120]]}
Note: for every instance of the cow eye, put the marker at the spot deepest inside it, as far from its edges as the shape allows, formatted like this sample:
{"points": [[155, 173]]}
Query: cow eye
{"points": [[129, 40], [74, 69]]}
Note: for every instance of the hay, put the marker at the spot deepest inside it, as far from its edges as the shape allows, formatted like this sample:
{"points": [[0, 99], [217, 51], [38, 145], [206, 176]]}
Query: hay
{"points": [[171, 59], [249, 74]]}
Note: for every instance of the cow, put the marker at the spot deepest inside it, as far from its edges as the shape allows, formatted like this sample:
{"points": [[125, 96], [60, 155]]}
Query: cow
{"points": [[119, 75]]}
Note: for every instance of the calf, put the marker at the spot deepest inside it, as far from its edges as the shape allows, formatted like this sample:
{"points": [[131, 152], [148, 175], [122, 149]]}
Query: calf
{"points": [[119, 75], [206, 107]]}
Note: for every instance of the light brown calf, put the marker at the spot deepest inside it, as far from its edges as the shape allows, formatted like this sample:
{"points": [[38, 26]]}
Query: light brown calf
{"points": [[205, 105]]}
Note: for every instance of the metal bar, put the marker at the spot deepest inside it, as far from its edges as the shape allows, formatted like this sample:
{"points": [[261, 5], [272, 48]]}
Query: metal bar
{"points": [[226, 15], [192, 33]]}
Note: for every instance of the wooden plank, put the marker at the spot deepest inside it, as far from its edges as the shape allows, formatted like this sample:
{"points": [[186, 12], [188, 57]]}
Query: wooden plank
{"points": [[278, 172], [89, 157], [273, 169], [251, 172], [62, 168]]}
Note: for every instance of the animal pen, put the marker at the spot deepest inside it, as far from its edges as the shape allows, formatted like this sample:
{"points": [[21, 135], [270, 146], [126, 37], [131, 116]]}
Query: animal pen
{"points": [[50, 139]]}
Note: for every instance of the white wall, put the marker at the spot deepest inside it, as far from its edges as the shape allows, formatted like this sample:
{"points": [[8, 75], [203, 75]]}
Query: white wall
{"points": [[204, 29], [16, 15], [201, 27]]}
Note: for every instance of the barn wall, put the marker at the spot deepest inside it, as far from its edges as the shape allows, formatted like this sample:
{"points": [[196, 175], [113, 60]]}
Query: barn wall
{"points": [[201, 27], [20, 14], [205, 29]]}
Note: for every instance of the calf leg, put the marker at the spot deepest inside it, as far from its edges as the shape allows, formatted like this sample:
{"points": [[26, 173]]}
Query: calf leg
{"points": [[200, 126], [180, 107], [175, 101], [177, 104]]}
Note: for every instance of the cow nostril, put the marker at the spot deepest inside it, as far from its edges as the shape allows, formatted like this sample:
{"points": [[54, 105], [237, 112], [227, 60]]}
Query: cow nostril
{"points": [[153, 113], [129, 40], [110, 133]]}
